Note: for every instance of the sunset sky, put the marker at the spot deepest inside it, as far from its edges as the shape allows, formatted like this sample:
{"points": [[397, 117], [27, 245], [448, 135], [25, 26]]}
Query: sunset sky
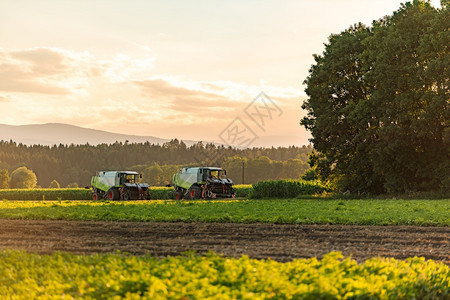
{"points": [[170, 69]]}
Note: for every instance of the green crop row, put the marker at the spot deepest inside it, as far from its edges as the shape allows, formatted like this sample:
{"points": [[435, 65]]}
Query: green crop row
{"points": [[243, 190], [162, 193], [263, 189], [46, 194], [287, 188], [281, 211], [165, 193], [191, 276]]}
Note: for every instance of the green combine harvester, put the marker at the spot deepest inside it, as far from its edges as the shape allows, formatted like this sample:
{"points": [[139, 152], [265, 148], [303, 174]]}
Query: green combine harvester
{"points": [[118, 185], [202, 183]]}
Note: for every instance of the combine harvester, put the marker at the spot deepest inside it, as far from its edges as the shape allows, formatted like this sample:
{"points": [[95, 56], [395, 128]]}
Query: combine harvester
{"points": [[118, 185], [202, 183]]}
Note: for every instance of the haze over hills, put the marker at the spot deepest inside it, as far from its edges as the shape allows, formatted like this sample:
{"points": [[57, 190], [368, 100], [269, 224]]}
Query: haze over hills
{"points": [[56, 133]]}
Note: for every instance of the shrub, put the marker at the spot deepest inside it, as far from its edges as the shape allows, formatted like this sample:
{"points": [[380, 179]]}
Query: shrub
{"points": [[288, 188], [243, 190], [45, 194], [54, 185]]}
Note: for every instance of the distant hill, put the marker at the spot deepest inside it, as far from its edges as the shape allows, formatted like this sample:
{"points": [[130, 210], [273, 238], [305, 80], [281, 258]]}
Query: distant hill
{"points": [[55, 133]]}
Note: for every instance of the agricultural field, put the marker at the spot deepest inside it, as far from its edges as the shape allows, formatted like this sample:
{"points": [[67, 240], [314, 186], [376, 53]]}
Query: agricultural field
{"points": [[75, 243]]}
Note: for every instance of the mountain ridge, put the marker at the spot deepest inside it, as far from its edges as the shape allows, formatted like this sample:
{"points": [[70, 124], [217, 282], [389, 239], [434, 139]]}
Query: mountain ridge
{"points": [[50, 134]]}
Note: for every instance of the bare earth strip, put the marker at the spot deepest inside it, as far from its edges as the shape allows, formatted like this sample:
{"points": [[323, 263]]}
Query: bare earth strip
{"points": [[279, 242]]}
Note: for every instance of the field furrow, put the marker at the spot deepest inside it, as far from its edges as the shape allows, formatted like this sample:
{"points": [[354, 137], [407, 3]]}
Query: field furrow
{"points": [[277, 241]]}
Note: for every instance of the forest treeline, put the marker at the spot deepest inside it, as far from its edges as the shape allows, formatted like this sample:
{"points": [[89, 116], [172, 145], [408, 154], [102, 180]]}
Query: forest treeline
{"points": [[72, 165]]}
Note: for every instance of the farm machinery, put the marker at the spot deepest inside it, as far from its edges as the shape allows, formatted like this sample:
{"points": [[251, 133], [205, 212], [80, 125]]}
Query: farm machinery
{"points": [[202, 183], [118, 185]]}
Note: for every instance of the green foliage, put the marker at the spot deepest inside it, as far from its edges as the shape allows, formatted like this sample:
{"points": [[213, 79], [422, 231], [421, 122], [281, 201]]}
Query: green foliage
{"points": [[161, 193], [110, 276], [154, 175], [23, 178], [54, 185], [4, 179], [243, 190], [46, 194], [284, 211], [310, 175], [378, 104], [287, 188]]}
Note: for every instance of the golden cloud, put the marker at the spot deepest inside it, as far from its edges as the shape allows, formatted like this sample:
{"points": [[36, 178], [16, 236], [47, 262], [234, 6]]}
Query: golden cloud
{"points": [[32, 71], [185, 99]]}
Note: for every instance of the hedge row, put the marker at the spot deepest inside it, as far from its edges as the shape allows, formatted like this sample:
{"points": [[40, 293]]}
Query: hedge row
{"points": [[262, 189], [287, 188], [85, 194], [46, 194], [162, 193]]}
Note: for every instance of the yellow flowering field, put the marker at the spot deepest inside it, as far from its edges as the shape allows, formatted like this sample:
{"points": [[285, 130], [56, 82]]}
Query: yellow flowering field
{"points": [[25, 275]]}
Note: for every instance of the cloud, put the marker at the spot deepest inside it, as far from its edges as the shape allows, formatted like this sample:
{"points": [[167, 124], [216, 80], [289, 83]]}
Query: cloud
{"points": [[5, 99], [189, 99], [46, 70], [32, 71], [43, 61], [184, 99]]}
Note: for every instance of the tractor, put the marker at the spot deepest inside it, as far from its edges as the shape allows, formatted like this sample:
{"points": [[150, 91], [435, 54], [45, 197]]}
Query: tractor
{"points": [[202, 183], [119, 185]]}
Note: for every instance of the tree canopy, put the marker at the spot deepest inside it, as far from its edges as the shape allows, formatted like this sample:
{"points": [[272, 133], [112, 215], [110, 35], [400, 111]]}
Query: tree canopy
{"points": [[23, 178], [378, 104]]}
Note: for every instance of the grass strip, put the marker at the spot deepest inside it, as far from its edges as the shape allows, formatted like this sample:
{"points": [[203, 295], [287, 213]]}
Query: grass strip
{"points": [[279, 211]]}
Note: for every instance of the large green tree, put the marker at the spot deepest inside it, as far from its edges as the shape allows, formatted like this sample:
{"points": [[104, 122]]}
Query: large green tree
{"points": [[336, 87], [23, 178], [378, 104]]}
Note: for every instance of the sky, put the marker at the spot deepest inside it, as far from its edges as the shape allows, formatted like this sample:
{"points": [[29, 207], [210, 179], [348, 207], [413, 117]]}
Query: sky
{"points": [[224, 71]]}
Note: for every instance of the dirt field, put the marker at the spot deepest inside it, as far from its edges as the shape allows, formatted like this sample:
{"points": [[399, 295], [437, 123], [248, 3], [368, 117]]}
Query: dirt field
{"points": [[279, 242]]}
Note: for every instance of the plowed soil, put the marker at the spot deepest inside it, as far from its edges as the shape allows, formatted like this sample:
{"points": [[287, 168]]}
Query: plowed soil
{"points": [[279, 242]]}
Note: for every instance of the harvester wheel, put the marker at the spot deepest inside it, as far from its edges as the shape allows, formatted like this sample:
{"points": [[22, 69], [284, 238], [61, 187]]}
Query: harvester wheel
{"points": [[112, 194], [194, 193], [95, 196], [126, 196], [178, 195]]}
